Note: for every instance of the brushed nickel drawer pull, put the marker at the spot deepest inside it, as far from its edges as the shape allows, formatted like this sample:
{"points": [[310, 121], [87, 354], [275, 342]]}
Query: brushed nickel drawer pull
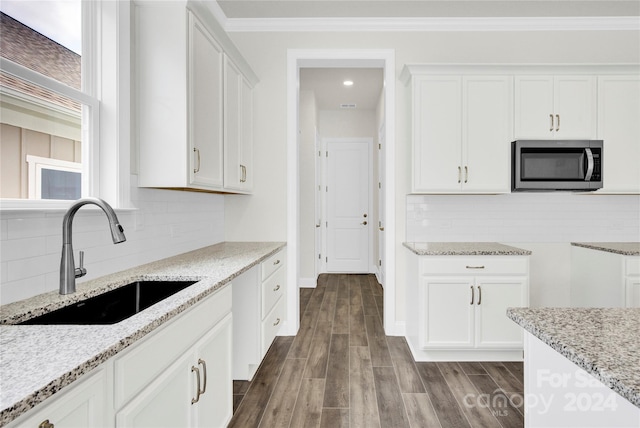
{"points": [[557, 122], [277, 322], [197, 151], [551, 117], [277, 262], [204, 374], [472, 294], [46, 424], [475, 267], [197, 370], [277, 288], [479, 295], [466, 173], [459, 174]]}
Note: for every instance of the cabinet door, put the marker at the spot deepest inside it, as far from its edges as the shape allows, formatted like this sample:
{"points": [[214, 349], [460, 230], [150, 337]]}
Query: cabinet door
{"points": [[494, 295], [619, 128], [534, 107], [166, 402], [633, 292], [437, 133], [84, 404], [447, 315], [246, 129], [215, 407], [232, 137], [574, 107], [205, 107], [487, 133]]}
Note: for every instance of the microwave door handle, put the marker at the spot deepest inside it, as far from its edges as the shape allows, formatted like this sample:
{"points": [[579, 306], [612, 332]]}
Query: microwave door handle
{"points": [[589, 173]]}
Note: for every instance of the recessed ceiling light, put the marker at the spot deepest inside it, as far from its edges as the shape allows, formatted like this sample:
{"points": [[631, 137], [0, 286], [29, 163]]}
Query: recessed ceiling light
{"points": [[348, 83]]}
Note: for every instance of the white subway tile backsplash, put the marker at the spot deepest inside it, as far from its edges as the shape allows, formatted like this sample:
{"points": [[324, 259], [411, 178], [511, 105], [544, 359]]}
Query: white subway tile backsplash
{"points": [[162, 224], [523, 217]]}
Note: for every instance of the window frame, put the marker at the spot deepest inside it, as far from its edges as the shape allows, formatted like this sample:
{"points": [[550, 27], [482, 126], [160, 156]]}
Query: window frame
{"points": [[105, 63]]}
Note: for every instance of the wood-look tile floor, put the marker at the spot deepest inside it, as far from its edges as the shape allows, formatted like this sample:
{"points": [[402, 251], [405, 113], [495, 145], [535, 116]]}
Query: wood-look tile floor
{"points": [[340, 370]]}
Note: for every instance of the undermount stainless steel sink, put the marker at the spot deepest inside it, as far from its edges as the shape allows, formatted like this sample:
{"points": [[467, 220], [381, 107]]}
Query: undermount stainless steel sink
{"points": [[113, 306]]}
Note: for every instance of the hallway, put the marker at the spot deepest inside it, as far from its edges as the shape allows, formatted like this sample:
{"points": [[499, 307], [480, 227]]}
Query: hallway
{"points": [[340, 370]]}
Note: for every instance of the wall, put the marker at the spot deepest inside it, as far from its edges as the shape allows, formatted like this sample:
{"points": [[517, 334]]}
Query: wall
{"points": [[263, 216], [165, 223]]}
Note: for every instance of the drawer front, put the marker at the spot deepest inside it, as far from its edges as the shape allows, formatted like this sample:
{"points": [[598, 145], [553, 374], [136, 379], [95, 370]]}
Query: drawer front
{"points": [[271, 326], [474, 265], [632, 266], [146, 360], [273, 263], [272, 290]]}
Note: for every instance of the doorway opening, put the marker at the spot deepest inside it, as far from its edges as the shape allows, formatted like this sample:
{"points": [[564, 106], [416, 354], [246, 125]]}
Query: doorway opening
{"points": [[313, 241]]}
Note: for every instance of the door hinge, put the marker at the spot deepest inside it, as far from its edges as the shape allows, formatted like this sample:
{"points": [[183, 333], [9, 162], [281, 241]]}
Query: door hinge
{"points": [[379, 262], [379, 185], [319, 256], [326, 259], [326, 224], [379, 146], [326, 189], [327, 153]]}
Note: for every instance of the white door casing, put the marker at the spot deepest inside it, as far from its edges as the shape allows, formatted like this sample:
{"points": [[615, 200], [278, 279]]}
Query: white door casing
{"points": [[381, 204], [348, 190]]}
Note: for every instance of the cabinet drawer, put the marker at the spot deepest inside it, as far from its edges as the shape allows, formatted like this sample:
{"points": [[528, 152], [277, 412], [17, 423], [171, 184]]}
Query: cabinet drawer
{"points": [[271, 325], [272, 290], [632, 266], [144, 361], [273, 263], [456, 265]]}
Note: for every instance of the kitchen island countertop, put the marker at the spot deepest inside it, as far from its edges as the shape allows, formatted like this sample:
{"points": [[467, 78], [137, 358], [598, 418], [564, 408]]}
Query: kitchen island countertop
{"points": [[602, 341], [623, 248], [464, 249], [60, 354]]}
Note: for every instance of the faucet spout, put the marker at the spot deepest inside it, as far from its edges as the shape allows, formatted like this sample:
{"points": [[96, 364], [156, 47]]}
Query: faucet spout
{"points": [[68, 271]]}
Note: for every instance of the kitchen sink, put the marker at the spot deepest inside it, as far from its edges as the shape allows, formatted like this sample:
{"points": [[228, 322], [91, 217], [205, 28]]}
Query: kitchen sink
{"points": [[113, 306]]}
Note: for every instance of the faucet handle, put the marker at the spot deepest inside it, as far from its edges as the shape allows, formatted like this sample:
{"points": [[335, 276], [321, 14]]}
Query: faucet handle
{"points": [[81, 271]]}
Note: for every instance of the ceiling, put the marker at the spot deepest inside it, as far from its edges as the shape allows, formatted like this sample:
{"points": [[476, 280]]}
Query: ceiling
{"points": [[247, 9], [330, 92]]}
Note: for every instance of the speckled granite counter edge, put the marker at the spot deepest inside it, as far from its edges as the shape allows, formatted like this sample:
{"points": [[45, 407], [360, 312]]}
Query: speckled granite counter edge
{"points": [[574, 356], [607, 247], [475, 249], [16, 409]]}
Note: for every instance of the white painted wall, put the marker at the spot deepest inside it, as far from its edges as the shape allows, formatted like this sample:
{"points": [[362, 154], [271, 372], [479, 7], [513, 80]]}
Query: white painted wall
{"points": [[164, 224], [263, 215]]}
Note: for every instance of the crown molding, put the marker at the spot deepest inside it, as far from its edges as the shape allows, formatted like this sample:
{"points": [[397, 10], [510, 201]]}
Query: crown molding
{"points": [[607, 23]]}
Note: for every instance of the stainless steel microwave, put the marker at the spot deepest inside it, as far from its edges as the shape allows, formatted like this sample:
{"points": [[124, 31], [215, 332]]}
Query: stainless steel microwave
{"points": [[556, 165]]}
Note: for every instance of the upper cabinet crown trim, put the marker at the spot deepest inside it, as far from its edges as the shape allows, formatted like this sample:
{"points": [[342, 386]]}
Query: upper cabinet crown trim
{"points": [[410, 70], [378, 24]]}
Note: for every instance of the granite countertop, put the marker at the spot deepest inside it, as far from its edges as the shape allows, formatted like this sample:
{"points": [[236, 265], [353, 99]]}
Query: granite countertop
{"points": [[59, 354], [602, 341], [464, 249], [624, 248]]}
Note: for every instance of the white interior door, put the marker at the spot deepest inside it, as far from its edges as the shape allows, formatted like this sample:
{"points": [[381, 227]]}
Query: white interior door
{"points": [[348, 205]]}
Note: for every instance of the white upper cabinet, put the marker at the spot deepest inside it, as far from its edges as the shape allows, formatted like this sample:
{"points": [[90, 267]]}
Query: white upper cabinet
{"points": [[238, 133], [555, 107], [619, 128], [189, 112], [462, 127]]}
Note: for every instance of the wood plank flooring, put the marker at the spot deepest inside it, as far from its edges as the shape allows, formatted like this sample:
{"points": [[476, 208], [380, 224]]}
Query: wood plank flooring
{"points": [[340, 370]]}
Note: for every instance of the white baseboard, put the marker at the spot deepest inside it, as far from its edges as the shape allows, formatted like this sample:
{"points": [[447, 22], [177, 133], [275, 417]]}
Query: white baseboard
{"points": [[307, 282]]}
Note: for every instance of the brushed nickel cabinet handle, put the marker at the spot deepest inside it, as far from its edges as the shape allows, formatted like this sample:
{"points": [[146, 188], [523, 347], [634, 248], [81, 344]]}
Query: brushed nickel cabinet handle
{"points": [[557, 122], [551, 123], [277, 262], [479, 295], [46, 424], [204, 374], [197, 371], [459, 174], [472, 294], [277, 288], [197, 152], [277, 322], [474, 267], [466, 173]]}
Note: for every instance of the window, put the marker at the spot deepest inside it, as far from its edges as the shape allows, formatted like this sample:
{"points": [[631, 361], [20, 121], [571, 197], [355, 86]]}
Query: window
{"points": [[48, 111]]}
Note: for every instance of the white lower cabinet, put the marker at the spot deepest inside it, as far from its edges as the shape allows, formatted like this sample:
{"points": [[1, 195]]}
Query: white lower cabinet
{"points": [[258, 296], [194, 391], [84, 404], [456, 307]]}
